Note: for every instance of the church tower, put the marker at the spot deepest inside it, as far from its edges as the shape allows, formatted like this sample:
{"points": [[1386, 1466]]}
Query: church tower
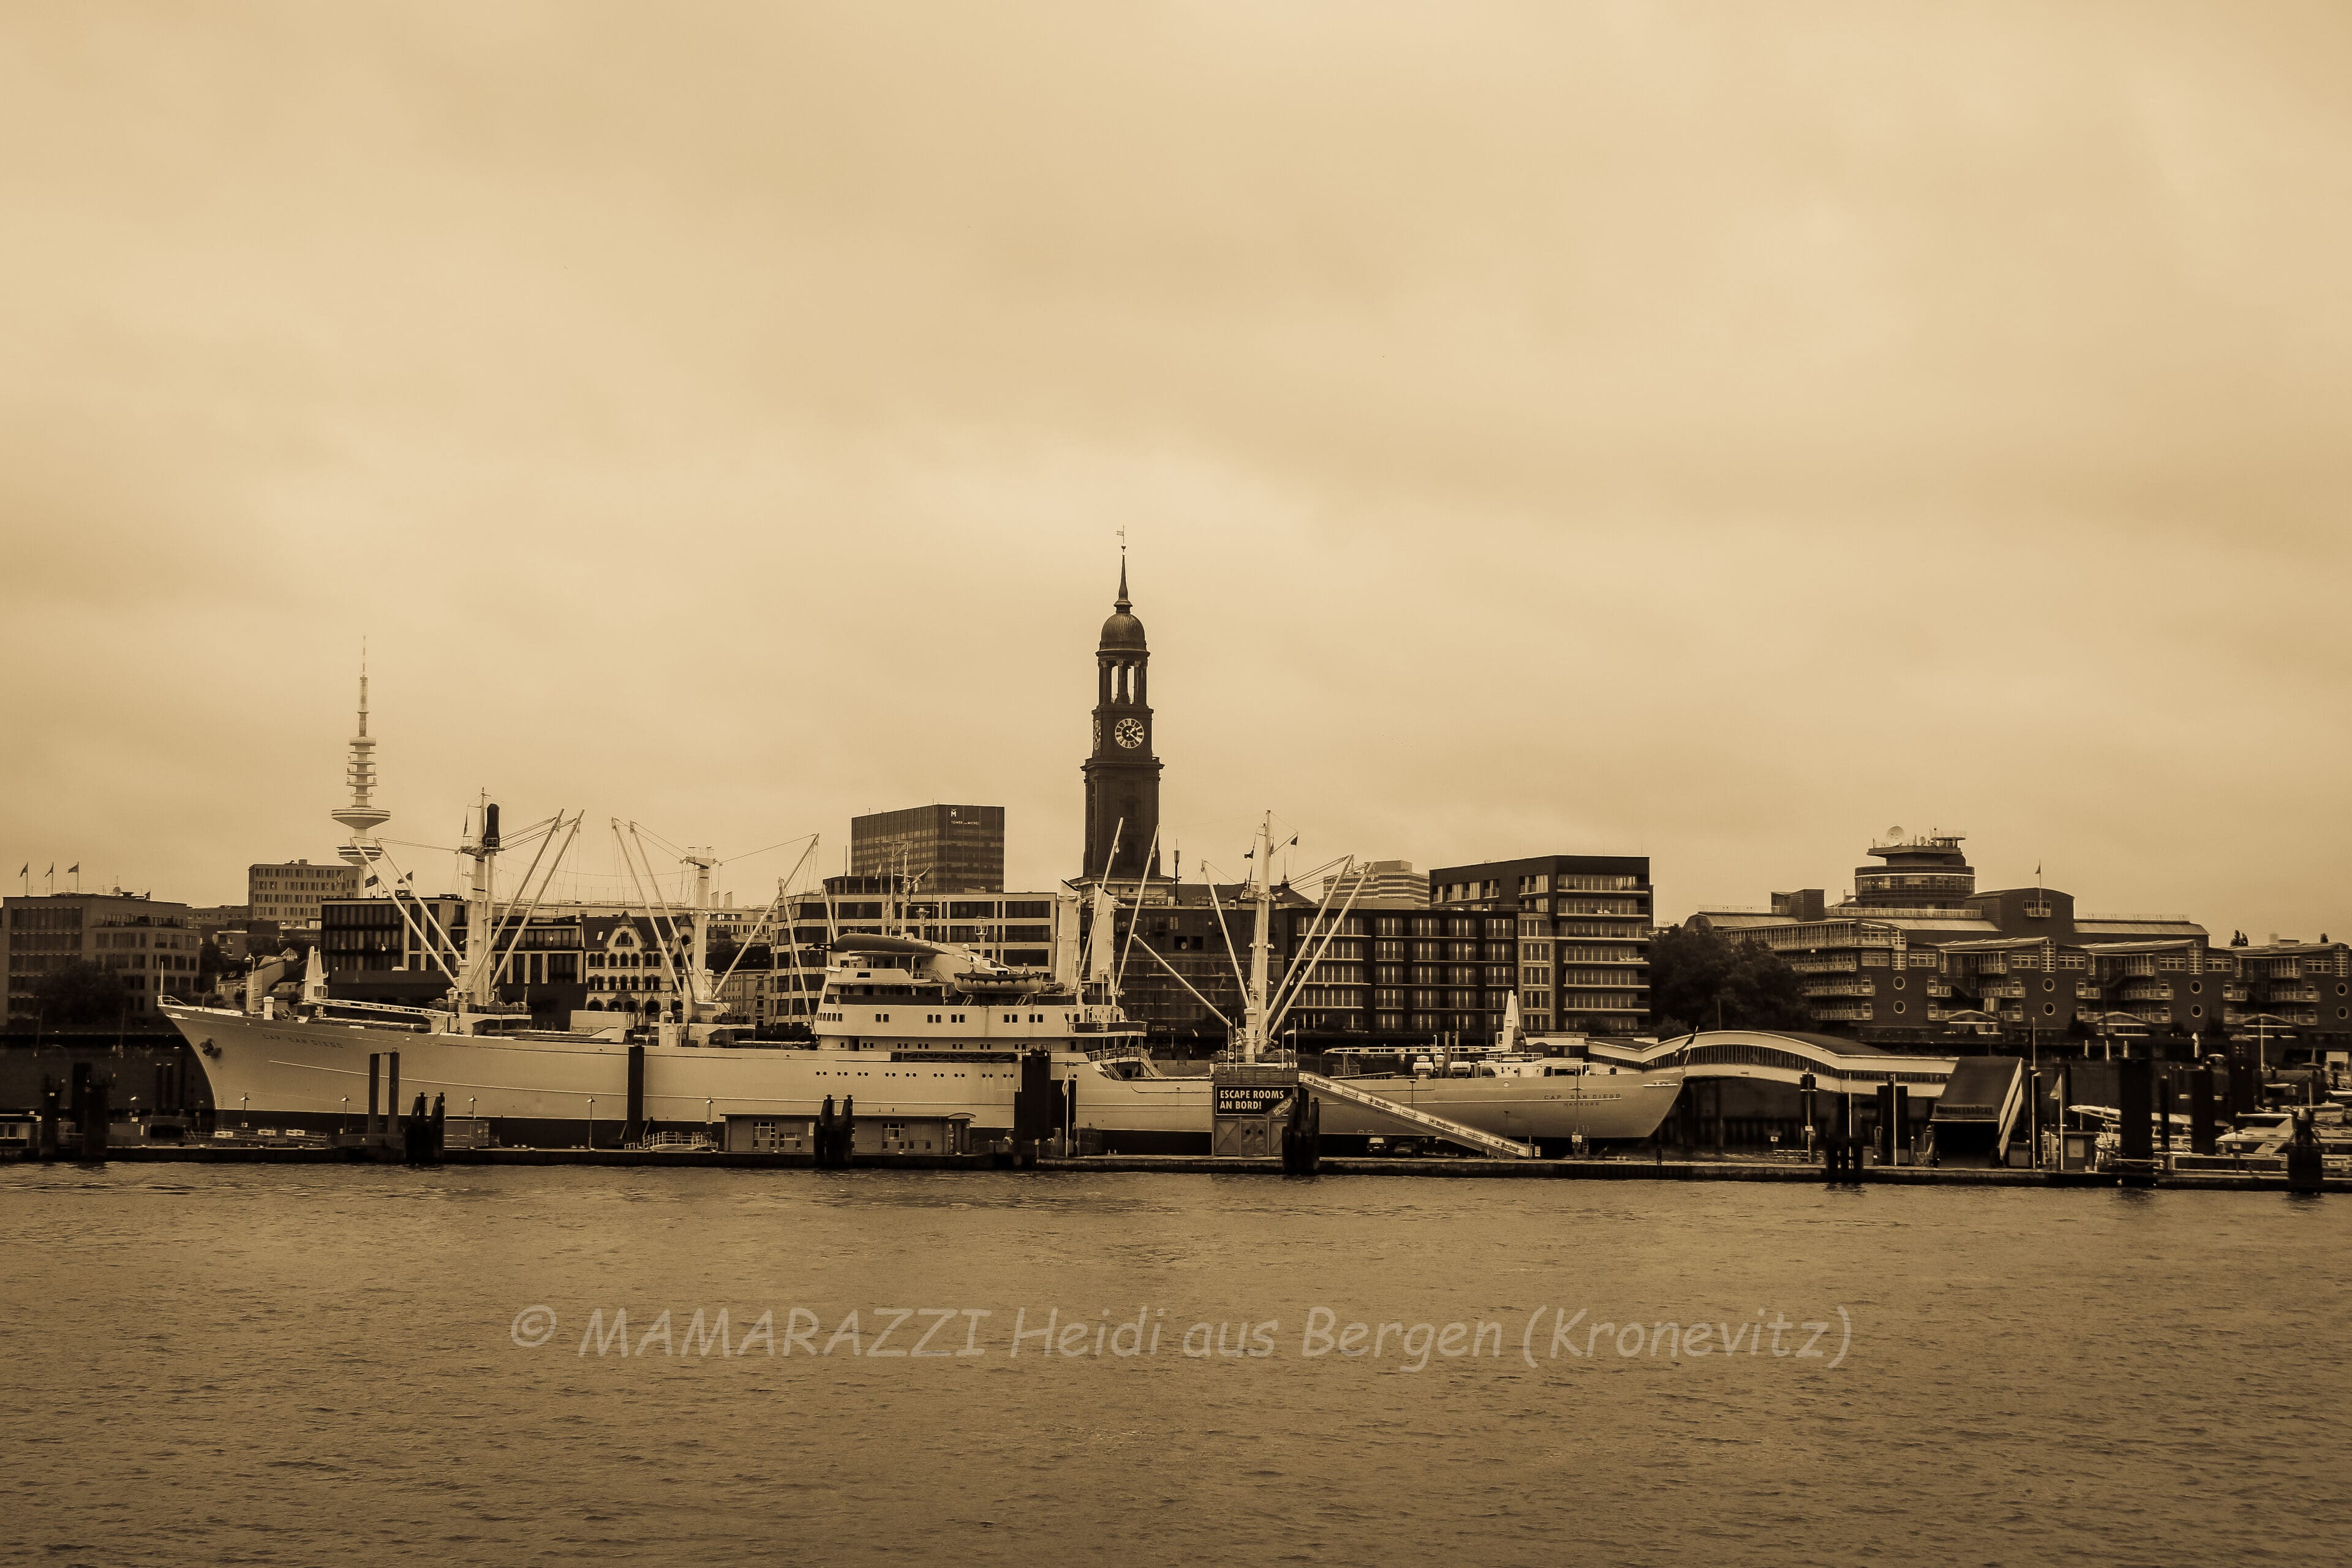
{"points": [[1121, 773]]}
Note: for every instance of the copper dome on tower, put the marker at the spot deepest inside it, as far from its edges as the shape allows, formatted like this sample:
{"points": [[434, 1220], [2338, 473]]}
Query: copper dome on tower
{"points": [[1122, 630]]}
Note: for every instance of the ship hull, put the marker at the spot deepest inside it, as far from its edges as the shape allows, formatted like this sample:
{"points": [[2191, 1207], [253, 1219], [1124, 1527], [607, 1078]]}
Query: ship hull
{"points": [[295, 1073], [315, 1075], [1603, 1108]]}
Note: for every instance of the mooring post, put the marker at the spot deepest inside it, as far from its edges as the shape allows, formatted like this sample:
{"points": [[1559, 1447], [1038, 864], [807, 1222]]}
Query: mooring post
{"points": [[392, 1093], [2163, 1115], [1301, 1134], [2245, 1080], [375, 1088], [635, 1132], [2304, 1169], [95, 1117], [1841, 1150], [2201, 1130], [2132, 1110], [2065, 1085], [1034, 1102]]}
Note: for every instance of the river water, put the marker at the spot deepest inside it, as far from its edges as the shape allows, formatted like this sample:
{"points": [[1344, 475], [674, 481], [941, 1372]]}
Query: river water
{"points": [[304, 1365]]}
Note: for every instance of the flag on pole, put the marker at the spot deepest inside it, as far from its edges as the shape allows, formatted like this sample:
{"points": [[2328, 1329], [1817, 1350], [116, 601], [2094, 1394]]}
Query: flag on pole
{"points": [[74, 869]]}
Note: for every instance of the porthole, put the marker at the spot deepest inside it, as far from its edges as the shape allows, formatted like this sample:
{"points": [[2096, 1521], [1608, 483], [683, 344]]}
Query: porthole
{"points": [[2197, 988], [2049, 986], [1898, 983], [2344, 1012], [2339, 989], [1898, 1007], [2050, 1009], [2196, 1012]]}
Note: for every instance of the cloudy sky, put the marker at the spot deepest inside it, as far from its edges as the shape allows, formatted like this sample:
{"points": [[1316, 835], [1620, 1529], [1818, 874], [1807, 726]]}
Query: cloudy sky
{"points": [[1716, 432]]}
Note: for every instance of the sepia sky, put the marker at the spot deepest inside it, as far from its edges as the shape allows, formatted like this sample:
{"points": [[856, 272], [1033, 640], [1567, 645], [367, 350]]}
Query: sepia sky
{"points": [[1716, 432]]}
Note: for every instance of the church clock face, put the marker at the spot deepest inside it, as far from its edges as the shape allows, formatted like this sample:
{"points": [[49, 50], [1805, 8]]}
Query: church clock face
{"points": [[1129, 733]]}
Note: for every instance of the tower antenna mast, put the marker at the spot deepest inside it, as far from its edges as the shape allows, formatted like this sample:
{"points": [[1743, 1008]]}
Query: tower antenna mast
{"points": [[363, 816]]}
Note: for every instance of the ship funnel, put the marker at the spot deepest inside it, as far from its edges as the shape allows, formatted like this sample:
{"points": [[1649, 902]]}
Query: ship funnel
{"points": [[491, 826]]}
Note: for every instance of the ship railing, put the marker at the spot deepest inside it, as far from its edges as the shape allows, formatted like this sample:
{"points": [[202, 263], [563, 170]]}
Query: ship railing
{"points": [[374, 1009]]}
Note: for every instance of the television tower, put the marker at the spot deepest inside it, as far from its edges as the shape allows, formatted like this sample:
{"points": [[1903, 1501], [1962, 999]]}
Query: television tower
{"points": [[363, 816]]}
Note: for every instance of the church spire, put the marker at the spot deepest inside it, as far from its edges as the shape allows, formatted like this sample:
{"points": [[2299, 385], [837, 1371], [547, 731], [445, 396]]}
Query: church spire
{"points": [[1121, 773]]}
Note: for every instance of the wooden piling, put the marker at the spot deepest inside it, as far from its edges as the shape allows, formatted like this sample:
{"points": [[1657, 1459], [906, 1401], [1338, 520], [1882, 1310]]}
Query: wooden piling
{"points": [[2304, 1169], [1302, 1136], [96, 1119], [51, 1107], [2132, 1134], [634, 1130]]}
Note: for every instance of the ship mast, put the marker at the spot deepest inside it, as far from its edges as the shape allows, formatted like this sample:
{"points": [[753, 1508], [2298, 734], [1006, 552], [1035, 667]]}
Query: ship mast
{"points": [[699, 1003], [1253, 1013], [482, 849]]}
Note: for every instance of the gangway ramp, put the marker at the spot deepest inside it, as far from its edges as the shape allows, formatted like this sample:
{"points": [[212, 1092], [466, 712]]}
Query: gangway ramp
{"points": [[1978, 1111], [1406, 1116]]}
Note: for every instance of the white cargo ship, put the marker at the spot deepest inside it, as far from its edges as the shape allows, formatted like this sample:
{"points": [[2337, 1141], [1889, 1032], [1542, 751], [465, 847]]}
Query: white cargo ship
{"points": [[907, 1034], [905, 1027]]}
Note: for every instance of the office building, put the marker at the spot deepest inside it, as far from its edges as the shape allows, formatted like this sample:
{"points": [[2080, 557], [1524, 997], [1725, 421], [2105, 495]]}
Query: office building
{"points": [[1580, 925], [289, 894], [150, 946], [1917, 951], [1391, 882], [939, 848]]}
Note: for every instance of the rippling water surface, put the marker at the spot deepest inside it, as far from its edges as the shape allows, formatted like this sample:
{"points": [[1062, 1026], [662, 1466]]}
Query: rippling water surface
{"points": [[249, 1364]]}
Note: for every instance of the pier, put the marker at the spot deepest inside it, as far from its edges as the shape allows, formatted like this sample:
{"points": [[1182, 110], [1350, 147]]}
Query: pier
{"points": [[2208, 1176]]}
